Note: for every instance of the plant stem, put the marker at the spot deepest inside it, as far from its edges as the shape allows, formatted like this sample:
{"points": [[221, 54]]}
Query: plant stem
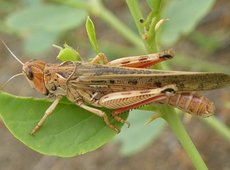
{"points": [[174, 122], [168, 113], [137, 14]]}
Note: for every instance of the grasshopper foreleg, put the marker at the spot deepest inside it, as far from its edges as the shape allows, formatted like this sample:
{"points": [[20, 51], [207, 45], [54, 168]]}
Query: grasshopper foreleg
{"points": [[48, 112]]}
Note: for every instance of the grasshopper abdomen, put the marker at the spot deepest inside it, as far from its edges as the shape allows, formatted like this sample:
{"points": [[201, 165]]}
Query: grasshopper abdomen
{"points": [[191, 103]]}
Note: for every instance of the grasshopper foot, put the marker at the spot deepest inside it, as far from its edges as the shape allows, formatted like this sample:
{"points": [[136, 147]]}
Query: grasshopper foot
{"points": [[37, 127], [110, 125], [119, 119], [152, 118]]}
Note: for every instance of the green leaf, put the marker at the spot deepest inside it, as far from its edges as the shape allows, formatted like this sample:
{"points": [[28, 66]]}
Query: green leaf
{"points": [[183, 17], [91, 34], [69, 131], [139, 135], [49, 17], [68, 54]]}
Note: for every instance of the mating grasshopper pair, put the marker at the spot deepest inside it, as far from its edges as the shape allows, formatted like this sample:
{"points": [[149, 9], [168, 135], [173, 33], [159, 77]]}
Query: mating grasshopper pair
{"points": [[121, 85]]}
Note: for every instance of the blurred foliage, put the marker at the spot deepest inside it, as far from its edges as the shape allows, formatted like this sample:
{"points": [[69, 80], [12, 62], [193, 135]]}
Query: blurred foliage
{"points": [[41, 25], [206, 42], [183, 15]]}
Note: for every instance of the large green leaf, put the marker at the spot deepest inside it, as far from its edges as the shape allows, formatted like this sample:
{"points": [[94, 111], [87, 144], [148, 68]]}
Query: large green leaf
{"points": [[183, 16], [49, 17], [68, 132]]}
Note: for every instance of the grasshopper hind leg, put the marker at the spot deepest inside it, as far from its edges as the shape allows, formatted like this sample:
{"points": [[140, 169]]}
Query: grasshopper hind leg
{"points": [[128, 100]]}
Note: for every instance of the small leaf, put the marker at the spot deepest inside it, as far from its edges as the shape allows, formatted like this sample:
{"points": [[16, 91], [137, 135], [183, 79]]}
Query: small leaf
{"points": [[69, 131], [68, 54], [91, 34]]}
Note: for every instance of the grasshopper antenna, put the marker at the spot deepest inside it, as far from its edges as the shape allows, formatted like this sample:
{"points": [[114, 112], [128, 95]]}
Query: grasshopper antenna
{"points": [[12, 53], [16, 75]]}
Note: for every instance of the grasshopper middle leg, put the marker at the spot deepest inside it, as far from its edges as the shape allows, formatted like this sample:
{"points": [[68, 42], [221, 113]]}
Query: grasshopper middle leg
{"points": [[98, 113]]}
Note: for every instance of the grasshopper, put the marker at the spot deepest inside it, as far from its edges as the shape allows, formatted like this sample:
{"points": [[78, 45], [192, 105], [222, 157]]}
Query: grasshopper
{"points": [[121, 85]]}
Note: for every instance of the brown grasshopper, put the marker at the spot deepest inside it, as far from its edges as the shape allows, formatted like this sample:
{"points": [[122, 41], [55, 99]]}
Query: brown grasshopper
{"points": [[121, 85]]}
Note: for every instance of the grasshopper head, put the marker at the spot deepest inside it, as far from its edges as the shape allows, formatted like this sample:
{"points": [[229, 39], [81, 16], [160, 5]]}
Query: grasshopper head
{"points": [[34, 71]]}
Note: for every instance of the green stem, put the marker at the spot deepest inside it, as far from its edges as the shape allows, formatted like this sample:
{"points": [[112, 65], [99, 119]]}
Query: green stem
{"points": [[168, 113], [174, 122], [154, 18], [137, 14], [149, 42]]}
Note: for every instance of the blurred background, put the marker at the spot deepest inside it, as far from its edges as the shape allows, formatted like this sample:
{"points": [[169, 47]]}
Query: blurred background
{"points": [[198, 31]]}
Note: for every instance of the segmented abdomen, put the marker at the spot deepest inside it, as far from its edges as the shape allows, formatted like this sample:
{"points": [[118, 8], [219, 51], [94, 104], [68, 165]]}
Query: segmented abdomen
{"points": [[192, 103]]}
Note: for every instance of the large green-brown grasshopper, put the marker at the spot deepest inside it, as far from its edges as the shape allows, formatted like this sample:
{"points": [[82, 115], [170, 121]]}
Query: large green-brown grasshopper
{"points": [[121, 85]]}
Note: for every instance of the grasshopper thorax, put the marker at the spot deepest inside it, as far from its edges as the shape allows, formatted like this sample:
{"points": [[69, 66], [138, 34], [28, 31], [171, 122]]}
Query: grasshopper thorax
{"points": [[34, 72]]}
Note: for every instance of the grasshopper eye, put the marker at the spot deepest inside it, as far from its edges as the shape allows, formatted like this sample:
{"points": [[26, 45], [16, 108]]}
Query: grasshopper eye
{"points": [[30, 74]]}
